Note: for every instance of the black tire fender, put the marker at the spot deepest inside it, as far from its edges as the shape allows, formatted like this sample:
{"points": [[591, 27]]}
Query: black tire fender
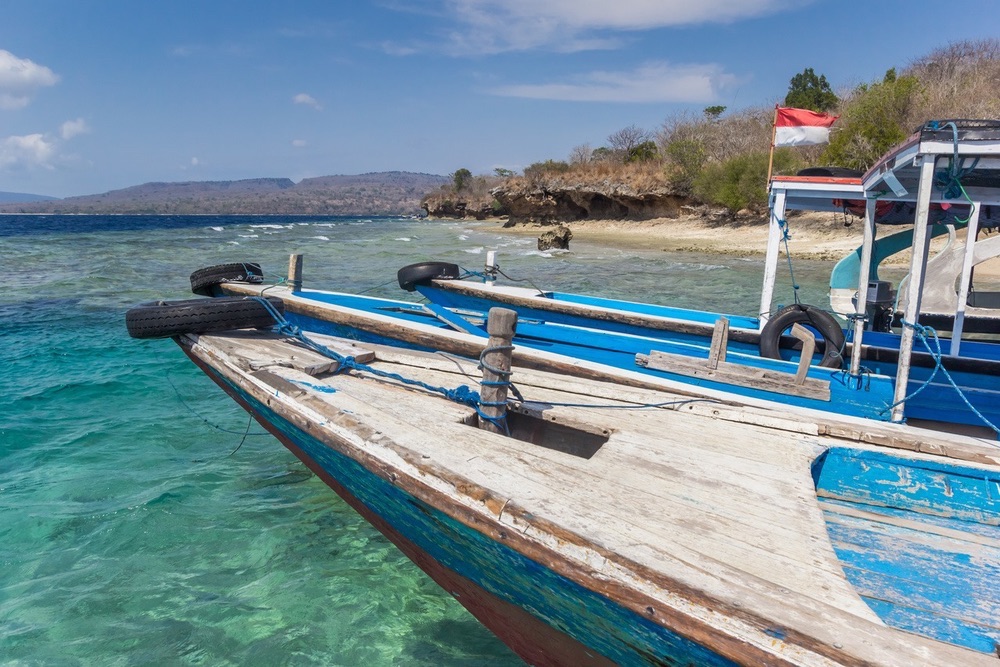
{"points": [[203, 280], [812, 317], [417, 274], [162, 319]]}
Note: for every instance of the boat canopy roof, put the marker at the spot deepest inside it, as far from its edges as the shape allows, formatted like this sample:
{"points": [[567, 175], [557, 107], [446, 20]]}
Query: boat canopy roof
{"points": [[967, 159]]}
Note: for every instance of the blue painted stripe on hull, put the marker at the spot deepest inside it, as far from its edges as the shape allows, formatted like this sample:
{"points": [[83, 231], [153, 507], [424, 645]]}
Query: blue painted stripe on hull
{"points": [[938, 402], [613, 631]]}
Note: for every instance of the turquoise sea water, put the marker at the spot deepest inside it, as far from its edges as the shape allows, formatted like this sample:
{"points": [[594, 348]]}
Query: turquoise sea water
{"points": [[134, 528]]}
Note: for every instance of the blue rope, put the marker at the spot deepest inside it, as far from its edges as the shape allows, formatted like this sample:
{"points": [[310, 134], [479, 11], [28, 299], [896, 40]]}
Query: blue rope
{"points": [[461, 394], [783, 225], [921, 332], [949, 180]]}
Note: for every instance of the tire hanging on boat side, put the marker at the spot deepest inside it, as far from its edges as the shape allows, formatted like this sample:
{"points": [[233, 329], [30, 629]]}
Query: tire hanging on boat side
{"points": [[162, 319], [809, 316], [417, 274], [203, 280]]}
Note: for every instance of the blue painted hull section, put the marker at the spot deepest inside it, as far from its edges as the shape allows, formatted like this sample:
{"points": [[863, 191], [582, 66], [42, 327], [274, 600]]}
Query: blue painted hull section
{"points": [[466, 302], [920, 541], [616, 350], [611, 630], [938, 401]]}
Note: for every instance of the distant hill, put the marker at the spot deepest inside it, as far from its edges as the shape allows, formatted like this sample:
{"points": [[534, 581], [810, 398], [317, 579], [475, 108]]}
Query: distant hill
{"points": [[381, 193], [20, 197]]}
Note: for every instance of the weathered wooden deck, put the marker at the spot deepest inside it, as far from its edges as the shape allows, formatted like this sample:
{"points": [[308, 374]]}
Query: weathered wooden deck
{"points": [[700, 516]]}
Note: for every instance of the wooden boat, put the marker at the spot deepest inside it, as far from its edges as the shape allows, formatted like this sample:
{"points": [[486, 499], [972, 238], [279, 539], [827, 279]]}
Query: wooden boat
{"points": [[917, 181], [599, 515], [623, 525], [645, 361]]}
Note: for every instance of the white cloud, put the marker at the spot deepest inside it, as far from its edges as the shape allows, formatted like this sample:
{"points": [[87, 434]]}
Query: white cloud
{"points": [[72, 128], [308, 100], [298, 143], [492, 26], [28, 151], [652, 82], [20, 78]]}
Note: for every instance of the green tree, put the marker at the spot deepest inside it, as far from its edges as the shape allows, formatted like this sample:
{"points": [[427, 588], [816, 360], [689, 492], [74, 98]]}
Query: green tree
{"points": [[537, 169], [806, 90], [741, 182], [503, 173], [601, 154], [688, 157], [873, 121], [712, 113], [461, 178], [643, 152]]}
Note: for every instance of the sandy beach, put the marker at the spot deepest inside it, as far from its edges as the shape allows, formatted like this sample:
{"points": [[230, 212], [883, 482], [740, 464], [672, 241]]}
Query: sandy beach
{"points": [[816, 236], [820, 236]]}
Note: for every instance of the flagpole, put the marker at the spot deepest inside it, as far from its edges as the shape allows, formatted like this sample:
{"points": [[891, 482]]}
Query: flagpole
{"points": [[770, 157]]}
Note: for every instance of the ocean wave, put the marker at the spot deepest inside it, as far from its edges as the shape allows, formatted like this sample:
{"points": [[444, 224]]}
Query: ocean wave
{"points": [[474, 251], [321, 238], [405, 239]]}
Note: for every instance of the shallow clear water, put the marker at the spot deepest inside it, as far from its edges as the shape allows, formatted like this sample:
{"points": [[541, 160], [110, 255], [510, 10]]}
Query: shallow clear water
{"points": [[134, 528]]}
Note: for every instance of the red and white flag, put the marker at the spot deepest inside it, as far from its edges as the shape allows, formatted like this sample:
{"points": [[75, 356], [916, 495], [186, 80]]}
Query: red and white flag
{"points": [[801, 127]]}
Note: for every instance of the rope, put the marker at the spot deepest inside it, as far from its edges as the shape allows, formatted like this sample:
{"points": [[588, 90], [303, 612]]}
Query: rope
{"points": [[783, 226], [461, 394], [949, 180], [921, 333], [480, 274], [180, 398]]}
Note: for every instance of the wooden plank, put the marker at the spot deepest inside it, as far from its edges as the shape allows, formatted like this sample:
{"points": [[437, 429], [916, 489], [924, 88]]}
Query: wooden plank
{"points": [[737, 374], [805, 357], [720, 341], [661, 517]]}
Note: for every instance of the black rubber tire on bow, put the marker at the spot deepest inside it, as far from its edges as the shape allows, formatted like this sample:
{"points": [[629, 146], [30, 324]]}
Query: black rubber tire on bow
{"points": [[418, 274], [203, 280], [831, 336], [162, 319]]}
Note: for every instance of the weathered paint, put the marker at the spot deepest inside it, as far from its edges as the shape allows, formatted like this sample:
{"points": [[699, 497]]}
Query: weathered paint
{"points": [[920, 541], [562, 613]]}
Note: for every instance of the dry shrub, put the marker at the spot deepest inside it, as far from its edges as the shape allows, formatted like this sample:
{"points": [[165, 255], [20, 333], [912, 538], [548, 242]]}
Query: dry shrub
{"points": [[961, 80]]}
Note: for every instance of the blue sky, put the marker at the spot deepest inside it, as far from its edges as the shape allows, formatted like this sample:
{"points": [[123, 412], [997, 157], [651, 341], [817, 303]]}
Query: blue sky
{"points": [[97, 95]]}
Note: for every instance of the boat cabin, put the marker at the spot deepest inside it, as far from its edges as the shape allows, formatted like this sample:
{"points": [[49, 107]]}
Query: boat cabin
{"points": [[944, 180]]}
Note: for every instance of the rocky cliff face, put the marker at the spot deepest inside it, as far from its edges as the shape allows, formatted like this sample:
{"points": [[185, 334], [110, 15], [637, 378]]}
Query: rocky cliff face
{"points": [[556, 200]]}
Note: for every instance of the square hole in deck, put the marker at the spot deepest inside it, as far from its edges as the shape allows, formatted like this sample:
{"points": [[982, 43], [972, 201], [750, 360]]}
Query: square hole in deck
{"points": [[551, 434]]}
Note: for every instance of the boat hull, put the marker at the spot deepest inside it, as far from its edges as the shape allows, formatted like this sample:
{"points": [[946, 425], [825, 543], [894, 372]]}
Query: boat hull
{"points": [[933, 398], [544, 617]]}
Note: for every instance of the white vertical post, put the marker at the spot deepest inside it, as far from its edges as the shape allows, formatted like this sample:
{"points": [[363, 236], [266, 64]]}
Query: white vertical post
{"points": [[774, 236], [966, 282], [491, 267], [918, 262], [864, 273]]}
